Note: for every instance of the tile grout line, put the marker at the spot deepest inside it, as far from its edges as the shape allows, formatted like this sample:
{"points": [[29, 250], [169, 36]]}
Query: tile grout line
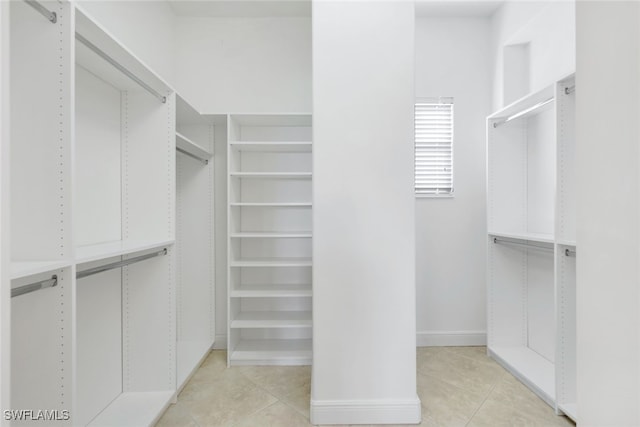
{"points": [[485, 399]]}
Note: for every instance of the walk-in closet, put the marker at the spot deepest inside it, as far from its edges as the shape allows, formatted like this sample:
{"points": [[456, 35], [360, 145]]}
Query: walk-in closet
{"points": [[313, 212]]}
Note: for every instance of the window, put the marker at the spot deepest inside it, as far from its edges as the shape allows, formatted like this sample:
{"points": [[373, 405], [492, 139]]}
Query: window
{"points": [[434, 147]]}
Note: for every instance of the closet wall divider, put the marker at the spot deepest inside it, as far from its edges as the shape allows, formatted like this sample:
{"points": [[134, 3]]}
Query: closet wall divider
{"points": [[531, 237]]}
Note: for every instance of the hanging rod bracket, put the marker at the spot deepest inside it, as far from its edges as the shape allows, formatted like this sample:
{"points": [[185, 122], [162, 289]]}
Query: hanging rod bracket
{"points": [[186, 153], [118, 264], [527, 245], [120, 68], [569, 252], [36, 286], [569, 89], [51, 16]]}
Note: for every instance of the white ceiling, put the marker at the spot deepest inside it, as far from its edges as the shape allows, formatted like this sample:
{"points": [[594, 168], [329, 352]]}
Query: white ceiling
{"points": [[263, 8], [451, 8], [241, 8]]}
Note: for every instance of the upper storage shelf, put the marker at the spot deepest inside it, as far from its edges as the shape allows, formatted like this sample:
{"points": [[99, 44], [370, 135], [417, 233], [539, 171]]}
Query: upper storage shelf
{"points": [[521, 150], [101, 54]]}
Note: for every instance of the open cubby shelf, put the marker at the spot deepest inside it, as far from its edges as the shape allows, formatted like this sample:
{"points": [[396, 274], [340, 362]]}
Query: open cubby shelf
{"points": [[269, 239]]}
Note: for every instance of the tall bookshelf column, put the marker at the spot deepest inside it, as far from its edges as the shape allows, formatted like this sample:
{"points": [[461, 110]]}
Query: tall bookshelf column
{"points": [[269, 246]]}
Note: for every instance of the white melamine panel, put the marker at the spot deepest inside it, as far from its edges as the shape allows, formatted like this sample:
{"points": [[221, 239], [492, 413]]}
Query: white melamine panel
{"points": [[134, 409], [194, 266], [241, 249], [98, 343], [41, 355], [199, 135], [5, 243], [40, 109], [271, 219], [567, 330], [149, 325], [507, 183], [507, 293], [541, 171], [270, 190], [148, 166], [98, 156], [221, 227], [541, 322], [566, 158], [270, 161]]}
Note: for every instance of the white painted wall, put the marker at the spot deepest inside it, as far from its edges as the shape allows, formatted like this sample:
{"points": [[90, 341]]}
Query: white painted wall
{"points": [[608, 292], [548, 27], [147, 28], [452, 60], [5, 247], [364, 366], [253, 65]]}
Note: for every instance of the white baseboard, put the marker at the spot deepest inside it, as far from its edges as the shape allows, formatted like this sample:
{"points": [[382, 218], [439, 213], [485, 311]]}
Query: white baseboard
{"points": [[384, 411], [450, 338], [220, 342]]}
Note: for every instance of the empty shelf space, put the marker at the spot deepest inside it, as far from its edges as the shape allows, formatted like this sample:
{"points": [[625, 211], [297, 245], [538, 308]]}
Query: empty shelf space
{"points": [[134, 409], [570, 410], [529, 237], [275, 235], [272, 262], [272, 175], [118, 248], [272, 319], [277, 146], [529, 367], [271, 291], [191, 147], [28, 268], [272, 352]]}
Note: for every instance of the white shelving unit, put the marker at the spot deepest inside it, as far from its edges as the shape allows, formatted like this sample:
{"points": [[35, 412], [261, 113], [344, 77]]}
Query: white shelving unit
{"points": [[124, 199], [269, 239], [531, 237], [40, 202], [195, 136]]}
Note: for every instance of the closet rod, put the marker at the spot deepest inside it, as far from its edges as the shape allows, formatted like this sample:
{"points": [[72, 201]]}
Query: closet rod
{"points": [[51, 16], [569, 252], [123, 263], [32, 287], [186, 153], [527, 245], [523, 112], [122, 69]]}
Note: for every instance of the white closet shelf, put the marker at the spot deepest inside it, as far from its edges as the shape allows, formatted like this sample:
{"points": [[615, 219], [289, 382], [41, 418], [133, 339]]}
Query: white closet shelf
{"points": [[272, 319], [28, 268], [529, 367], [524, 103], [570, 410], [272, 205], [272, 352], [272, 175], [275, 146], [271, 291], [191, 147], [134, 409], [192, 353], [272, 262], [118, 248], [530, 237], [566, 242], [274, 235]]}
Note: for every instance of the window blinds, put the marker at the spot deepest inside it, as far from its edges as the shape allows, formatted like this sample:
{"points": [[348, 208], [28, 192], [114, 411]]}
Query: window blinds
{"points": [[434, 147]]}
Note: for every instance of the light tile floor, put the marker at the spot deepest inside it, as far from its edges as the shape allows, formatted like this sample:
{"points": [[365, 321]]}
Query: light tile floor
{"points": [[458, 386]]}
